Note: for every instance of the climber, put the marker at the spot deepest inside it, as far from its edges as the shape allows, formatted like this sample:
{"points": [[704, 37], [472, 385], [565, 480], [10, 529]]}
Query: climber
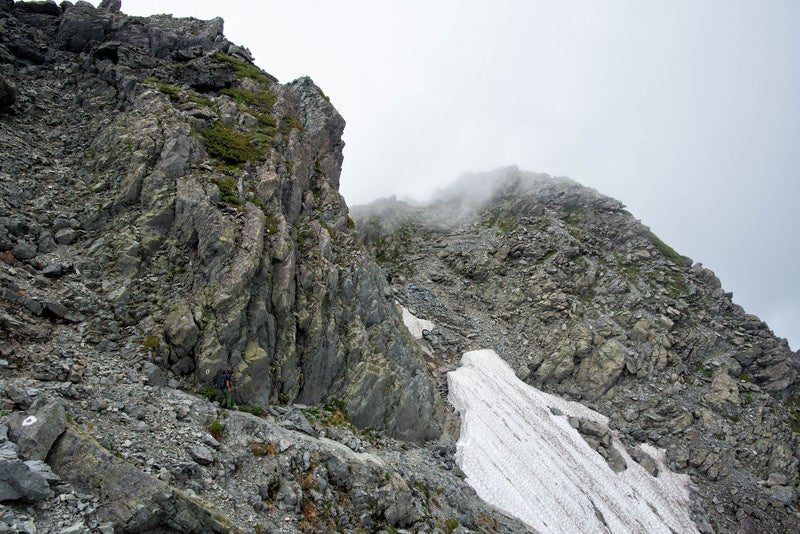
{"points": [[225, 384]]}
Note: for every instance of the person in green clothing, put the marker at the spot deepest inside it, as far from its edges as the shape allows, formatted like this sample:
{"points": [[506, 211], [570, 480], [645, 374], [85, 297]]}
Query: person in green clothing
{"points": [[225, 384]]}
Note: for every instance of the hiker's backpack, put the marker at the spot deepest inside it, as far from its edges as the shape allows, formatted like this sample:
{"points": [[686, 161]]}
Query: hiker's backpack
{"points": [[222, 378]]}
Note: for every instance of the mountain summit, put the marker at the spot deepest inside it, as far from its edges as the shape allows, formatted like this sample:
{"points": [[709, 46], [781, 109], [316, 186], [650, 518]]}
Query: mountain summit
{"points": [[582, 300]]}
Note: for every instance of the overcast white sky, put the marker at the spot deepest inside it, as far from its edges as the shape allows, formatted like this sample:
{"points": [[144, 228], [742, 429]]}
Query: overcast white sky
{"points": [[687, 111]]}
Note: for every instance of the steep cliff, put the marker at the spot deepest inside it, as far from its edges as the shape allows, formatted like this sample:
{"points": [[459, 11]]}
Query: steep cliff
{"points": [[196, 199], [583, 300]]}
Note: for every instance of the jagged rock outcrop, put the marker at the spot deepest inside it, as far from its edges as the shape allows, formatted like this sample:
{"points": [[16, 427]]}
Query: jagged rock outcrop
{"points": [[214, 222], [584, 301]]}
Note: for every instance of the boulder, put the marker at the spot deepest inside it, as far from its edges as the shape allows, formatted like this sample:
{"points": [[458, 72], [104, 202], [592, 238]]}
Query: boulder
{"points": [[130, 499], [19, 482], [202, 455], [8, 93], [81, 26], [19, 394], [181, 331], [396, 502], [59, 311], [155, 376], [46, 243], [38, 8], [65, 236], [598, 373], [723, 390], [36, 430], [111, 5], [24, 250]]}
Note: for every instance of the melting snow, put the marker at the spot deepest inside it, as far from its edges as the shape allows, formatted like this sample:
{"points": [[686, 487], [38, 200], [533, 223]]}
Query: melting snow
{"points": [[416, 325], [532, 464]]}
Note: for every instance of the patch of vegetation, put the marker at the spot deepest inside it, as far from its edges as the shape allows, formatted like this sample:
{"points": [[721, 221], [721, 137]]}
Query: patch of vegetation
{"points": [[332, 413], [288, 123], [262, 449], [309, 510], [720, 436], [488, 523], [172, 91], [450, 525], [675, 286], [215, 429], [351, 223], [201, 101], [283, 398], [227, 190], [209, 393], [318, 167], [272, 222], [503, 220], [573, 217], [242, 68], [665, 249], [743, 377], [231, 146], [262, 101], [307, 480], [794, 415], [151, 343], [703, 371]]}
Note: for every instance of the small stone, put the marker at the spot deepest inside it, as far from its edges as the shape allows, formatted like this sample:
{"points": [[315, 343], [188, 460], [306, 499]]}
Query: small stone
{"points": [[8, 93], [155, 376], [24, 250], [202, 455], [19, 395], [786, 495], [76, 528], [209, 440], [53, 270], [46, 243], [38, 466], [36, 431], [66, 236], [17, 481], [776, 479]]}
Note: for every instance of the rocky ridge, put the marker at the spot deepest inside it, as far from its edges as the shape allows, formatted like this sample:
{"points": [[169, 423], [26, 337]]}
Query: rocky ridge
{"points": [[583, 300], [167, 210]]}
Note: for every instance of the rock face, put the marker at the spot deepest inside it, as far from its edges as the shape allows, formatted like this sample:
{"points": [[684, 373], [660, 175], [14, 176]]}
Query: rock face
{"points": [[214, 228], [583, 300]]}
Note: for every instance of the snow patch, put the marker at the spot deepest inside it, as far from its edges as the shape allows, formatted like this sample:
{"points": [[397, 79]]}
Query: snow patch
{"points": [[530, 463], [416, 325]]}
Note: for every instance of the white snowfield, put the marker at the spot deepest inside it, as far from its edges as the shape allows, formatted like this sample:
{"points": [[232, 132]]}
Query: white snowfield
{"points": [[533, 465], [416, 325]]}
